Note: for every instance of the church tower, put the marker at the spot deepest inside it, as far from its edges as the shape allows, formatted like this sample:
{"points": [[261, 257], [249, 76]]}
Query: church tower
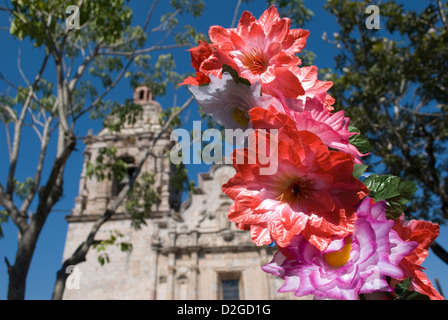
{"points": [[126, 276]]}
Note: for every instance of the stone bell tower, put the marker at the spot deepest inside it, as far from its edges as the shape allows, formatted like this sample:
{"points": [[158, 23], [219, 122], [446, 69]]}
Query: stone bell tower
{"points": [[127, 274]]}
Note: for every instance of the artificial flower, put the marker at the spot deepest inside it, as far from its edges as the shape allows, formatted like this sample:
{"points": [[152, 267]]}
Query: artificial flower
{"points": [[260, 50], [356, 264], [312, 87], [198, 55], [331, 128], [423, 233], [229, 102], [313, 192], [206, 61]]}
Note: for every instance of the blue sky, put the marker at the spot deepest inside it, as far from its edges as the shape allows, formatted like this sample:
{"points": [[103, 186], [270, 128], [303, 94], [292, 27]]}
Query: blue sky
{"points": [[48, 255]]}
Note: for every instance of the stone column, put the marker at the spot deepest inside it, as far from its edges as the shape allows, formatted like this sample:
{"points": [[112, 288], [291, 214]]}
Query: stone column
{"points": [[171, 261], [194, 251], [171, 271], [156, 245], [165, 182]]}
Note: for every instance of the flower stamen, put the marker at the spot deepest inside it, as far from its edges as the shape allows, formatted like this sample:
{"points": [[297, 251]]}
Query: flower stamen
{"points": [[240, 117], [255, 61], [339, 258], [296, 191]]}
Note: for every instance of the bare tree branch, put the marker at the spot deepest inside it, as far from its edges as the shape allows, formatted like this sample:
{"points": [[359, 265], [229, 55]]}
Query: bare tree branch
{"points": [[441, 12], [161, 27], [9, 110], [14, 214], [150, 13], [109, 88], [82, 68], [150, 49], [8, 139], [40, 165], [235, 15], [18, 130]]}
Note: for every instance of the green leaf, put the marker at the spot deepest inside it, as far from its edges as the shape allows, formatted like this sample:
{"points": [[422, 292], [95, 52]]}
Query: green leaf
{"points": [[396, 191], [359, 141], [402, 292], [22, 189], [103, 259], [359, 169], [4, 216], [235, 76], [126, 247]]}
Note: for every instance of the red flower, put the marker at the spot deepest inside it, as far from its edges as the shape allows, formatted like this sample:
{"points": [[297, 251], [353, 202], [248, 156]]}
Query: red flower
{"points": [[262, 49], [198, 55], [424, 233], [313, 192]]}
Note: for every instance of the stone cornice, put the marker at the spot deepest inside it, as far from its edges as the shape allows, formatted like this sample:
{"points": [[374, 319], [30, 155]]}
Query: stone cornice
{"points": [[115, 217]]}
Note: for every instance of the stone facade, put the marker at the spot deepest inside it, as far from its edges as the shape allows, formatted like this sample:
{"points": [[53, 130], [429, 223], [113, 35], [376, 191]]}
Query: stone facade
{"points": [[189, 252]]}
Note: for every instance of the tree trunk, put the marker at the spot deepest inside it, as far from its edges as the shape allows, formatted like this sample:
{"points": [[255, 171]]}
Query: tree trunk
{"points": [[48, 197], [17, 279], [59, 287], [19, 271]]}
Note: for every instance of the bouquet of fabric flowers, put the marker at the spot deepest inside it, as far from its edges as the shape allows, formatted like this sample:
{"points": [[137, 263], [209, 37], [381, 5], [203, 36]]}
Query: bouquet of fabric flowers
{"points": [[338, 237]]}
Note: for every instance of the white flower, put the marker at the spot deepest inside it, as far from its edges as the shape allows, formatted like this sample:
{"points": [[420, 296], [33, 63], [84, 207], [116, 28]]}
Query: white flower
{"points": [[229, 102]]}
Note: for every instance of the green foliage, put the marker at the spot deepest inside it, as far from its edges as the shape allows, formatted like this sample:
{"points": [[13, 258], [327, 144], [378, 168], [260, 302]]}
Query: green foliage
{"points": [[402, 292], [103, 68], [105, 21], [396, 191], [235, 76], [5, 117], [179, 181], [157, 76], [359, 141], [167, 113], [141, 199], [107, 26], [359, 169], [22, 189], [107, 165], [113, 240], [189, 34], [194, 7], [4, 216], [122, 115]]}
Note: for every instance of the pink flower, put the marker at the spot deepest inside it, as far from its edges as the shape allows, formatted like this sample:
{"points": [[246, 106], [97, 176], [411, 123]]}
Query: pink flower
{"points": [[262, 49], [331, 128], [356, 264], [312, 88], [313, 192]]}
